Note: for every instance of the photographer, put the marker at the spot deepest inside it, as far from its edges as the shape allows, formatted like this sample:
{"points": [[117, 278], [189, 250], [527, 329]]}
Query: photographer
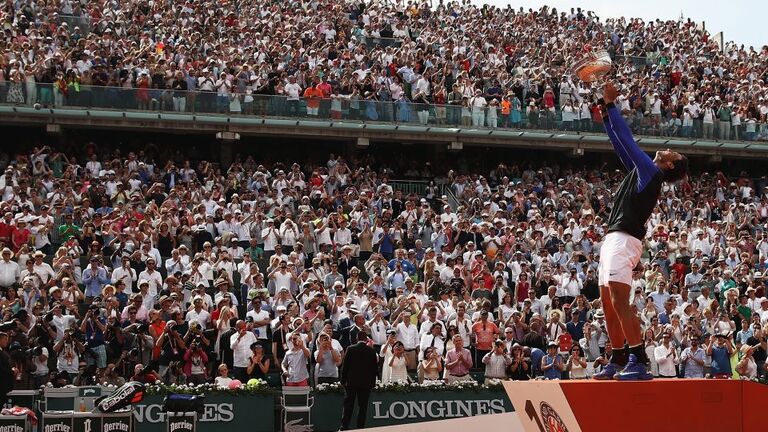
{"points": [[172, 347], [41, 327], [195, 333], [496, 362], [114, 338], [195, 361], [94, 327], [68, 351], [137, 339], [40, 371]]}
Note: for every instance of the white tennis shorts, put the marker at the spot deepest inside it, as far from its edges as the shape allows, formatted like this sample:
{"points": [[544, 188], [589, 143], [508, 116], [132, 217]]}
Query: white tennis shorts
{"points": [[619, 255]]}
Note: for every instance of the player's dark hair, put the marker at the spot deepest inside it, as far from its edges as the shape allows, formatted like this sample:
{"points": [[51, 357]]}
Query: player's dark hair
{"points": [[678, 171]]}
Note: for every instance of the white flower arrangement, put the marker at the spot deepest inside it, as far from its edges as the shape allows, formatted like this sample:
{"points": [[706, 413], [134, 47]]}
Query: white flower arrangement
{"points": [[408, 387], [253, 386]]}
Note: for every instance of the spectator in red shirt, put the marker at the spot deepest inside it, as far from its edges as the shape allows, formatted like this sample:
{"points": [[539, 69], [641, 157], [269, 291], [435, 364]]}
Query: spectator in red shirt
{"points": [[485, 332], [21, 235], [7, 228], [313, 95]]}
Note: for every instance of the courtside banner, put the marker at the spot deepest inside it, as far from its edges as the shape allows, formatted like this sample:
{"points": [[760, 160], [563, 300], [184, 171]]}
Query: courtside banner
{"points": [[182, 422], [567, 406], [12, 423]]}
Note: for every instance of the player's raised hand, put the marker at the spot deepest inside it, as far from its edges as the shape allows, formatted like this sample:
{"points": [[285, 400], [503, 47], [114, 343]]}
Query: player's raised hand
{"points": [[610, 92]]}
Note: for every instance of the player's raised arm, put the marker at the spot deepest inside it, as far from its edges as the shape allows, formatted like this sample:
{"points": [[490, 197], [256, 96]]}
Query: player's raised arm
{"points": [[617, 145], [623, 141]]}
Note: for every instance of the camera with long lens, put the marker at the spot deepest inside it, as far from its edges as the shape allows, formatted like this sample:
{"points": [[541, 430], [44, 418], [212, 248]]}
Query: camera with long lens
{"points": [[34, 352], [8, 326]]}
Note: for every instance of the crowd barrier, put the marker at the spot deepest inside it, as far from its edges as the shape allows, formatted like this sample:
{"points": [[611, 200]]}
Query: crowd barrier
{"points": [[69, 421], [11, 423], [261, 412], [239, 107]]}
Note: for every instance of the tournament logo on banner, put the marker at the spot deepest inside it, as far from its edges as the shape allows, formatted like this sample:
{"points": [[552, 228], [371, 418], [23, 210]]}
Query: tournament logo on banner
{"points": [[544, 405], [550, 418]]}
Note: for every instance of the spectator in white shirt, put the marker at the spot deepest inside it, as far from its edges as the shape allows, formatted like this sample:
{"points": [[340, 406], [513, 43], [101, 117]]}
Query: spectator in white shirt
{"points": [[9, 270], [666, 357], [174, 263], [409, 336], [153, 277], [240, 343], [198, 313], [125, 273], [259, 317], [271, 238]]}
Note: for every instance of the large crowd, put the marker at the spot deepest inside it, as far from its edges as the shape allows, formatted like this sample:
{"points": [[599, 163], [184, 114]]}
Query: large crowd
{"points": [[122, 267], [450, 63]]}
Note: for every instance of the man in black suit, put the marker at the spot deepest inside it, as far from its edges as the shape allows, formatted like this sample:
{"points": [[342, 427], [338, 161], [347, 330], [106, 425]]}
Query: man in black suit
{"points": [[358, 375], [8, 373], [346, 324], [347, 262]]}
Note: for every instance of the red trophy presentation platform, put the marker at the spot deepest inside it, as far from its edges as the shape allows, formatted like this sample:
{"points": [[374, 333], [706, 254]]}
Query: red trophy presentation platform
{"points": [[659, 405]]}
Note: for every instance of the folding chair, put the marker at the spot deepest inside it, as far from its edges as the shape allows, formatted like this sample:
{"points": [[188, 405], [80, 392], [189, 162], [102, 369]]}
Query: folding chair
{"points": [[297, 406]]}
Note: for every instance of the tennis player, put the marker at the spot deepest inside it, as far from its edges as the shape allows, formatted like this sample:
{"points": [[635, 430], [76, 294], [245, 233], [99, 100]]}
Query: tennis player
{"points": [[634, 201]]}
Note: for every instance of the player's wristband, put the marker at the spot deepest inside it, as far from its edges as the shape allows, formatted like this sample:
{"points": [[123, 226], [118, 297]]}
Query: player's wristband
{"points": [[605, 107]]}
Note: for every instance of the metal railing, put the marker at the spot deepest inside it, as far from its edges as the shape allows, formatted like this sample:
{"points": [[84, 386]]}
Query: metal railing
{"points": [[419, 188], [82, 22], [407, 187], [453, 200], [351, 108], [380, 42]]}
